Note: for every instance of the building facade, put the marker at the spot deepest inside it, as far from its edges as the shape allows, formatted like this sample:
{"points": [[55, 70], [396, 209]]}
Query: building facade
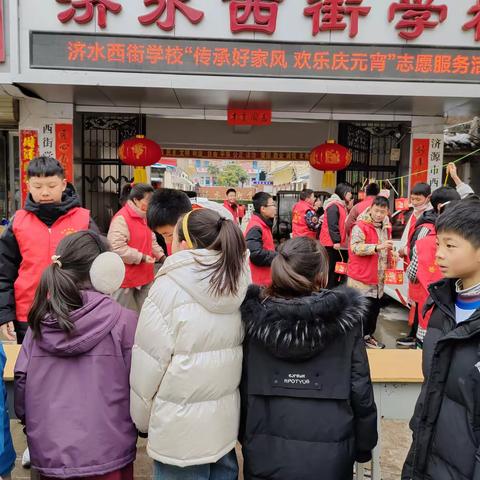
{"points": [[256, 80]]}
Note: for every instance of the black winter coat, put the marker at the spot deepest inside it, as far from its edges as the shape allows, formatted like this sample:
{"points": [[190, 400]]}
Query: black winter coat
{"points": [[446, 422], [307, 400]]}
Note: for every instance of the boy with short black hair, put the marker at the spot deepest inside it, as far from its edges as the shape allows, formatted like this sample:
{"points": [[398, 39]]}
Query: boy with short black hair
{"points": [[259, 238], [370, 250], [231, 204], [51, 212], [165, 208], [450, 397]]}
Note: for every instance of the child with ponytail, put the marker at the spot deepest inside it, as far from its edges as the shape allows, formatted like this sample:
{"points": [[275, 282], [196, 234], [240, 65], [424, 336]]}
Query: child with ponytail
{"points": [[307, 400], [72, 374], [187, 357]]}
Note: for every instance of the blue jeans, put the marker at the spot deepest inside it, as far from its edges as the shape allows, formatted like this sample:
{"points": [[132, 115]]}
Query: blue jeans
{"points": [[225, 469]]}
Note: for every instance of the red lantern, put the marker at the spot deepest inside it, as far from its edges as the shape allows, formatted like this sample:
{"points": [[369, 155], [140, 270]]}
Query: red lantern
{"points": [[330, 157], [140, 152]]}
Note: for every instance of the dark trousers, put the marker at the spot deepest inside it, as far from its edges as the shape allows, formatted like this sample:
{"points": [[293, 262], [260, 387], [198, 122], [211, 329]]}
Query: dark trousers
{"points": [[21, 330], [334, 279], [371, 318]]}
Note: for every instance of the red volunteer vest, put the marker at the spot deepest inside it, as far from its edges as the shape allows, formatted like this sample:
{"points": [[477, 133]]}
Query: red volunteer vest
{"points": [[141, 240], [233, 211], [427, 273], [37, 244], [364, 268], [299, 225], [415, 290], [325, 238], [261, 275]]}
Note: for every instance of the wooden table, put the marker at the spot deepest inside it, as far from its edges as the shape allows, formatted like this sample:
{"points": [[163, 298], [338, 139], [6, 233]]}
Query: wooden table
{"points": [[396, 375], [397, 380]]}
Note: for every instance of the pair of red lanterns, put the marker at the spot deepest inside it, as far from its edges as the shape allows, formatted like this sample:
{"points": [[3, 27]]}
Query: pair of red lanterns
{"points": [[140, 152]]}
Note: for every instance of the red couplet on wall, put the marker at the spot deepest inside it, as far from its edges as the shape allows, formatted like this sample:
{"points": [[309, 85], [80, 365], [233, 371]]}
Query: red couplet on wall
{"points": [[238, 116]]}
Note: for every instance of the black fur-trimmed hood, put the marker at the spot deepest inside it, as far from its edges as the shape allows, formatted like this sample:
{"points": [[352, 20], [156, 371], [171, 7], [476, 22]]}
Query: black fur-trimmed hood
{"points": [[300, 328]]}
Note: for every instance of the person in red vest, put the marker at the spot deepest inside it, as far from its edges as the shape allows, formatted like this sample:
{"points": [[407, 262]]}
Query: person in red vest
{"points": [[305, 222], [423, 269], [51, 212], [372, 190], [333, 234], [136, 244], [230, 203], [241, 213], [260, 239], [370, 249]]}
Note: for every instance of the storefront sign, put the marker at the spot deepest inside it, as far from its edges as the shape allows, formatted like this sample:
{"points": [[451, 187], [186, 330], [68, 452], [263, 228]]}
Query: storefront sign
{"points": [[28, 151], [409, 18], [2, 34], [239, 116], [235, 155], [427, 160], [211, 57]]}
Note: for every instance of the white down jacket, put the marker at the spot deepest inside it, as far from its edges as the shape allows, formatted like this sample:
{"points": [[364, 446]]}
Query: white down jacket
{"points": [[187, 364]]}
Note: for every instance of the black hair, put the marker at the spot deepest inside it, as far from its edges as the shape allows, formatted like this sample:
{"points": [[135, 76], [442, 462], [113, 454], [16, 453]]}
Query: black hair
{"points": [[306, 193], [342, 190], [231, 190], [381, 201], [299, 269], [372, 189], [423, 189], [166, 207], [45, 167], [463, 219], [59, 291], [207, 229], [135, 191], [260, 199], [443, 195]]}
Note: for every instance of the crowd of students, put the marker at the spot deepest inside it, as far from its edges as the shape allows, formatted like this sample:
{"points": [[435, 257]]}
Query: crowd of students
{"points": [[235, 341]]}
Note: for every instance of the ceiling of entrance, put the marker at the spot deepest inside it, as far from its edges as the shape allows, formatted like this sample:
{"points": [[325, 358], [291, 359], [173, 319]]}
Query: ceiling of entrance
{"points": [[184, 103]]}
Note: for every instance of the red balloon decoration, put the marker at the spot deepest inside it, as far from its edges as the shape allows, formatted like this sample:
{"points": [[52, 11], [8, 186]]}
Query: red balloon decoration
{"points": [[140, 152]]}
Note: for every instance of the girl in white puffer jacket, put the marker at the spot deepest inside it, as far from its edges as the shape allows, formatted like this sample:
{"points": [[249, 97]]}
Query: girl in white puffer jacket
{"points": [[187, 357]]}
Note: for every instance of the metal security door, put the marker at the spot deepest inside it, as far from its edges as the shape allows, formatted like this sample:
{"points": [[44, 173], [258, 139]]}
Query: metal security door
{"points": [[103, 175], [371, 145]]}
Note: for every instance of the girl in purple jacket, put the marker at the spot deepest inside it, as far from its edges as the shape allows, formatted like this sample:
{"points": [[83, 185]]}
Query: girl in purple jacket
{"points": [[72, 375]]}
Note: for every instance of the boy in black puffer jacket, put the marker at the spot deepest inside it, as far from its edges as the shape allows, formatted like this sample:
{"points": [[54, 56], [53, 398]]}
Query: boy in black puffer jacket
{"points": [[307, 399], [446, 423]]}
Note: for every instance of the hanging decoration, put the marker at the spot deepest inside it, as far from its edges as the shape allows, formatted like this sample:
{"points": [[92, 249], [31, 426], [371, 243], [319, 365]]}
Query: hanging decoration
{"points": [[140, 152], [330, 157], [402, 204], [393, 275]]}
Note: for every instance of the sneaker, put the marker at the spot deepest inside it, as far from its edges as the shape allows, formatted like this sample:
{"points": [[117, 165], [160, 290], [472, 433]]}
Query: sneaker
{"points": [[26, 459], [406, 342], [372, 342]]}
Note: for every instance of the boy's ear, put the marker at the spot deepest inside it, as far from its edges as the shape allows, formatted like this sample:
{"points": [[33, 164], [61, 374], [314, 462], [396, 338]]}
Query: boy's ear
{"points": [[64, 182]]}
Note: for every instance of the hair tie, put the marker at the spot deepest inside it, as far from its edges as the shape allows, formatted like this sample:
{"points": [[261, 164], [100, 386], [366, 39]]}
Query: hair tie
{"points": [[186, 233], [56, 260], [284, 255], [220, 222]]}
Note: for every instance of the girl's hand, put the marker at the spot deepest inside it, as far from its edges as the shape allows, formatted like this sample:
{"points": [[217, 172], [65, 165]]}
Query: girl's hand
{"points": [[149, 259]]}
